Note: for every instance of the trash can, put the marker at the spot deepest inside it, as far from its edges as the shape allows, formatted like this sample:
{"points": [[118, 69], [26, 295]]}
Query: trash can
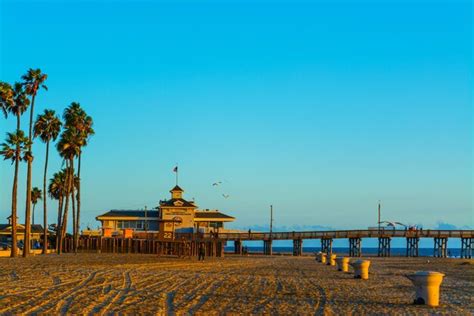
{"points": [[342, 264], [331, 259], [323, 258], [427, 285], [361, 269]]}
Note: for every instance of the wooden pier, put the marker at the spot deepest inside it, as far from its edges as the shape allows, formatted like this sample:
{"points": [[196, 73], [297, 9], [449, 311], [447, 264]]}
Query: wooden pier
{"points": [[355, 237], [188, 245]]}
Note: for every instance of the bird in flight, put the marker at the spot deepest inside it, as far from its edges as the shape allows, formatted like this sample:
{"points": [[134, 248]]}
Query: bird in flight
{"points": [[392, 224], [226, 196], [215, 184]]}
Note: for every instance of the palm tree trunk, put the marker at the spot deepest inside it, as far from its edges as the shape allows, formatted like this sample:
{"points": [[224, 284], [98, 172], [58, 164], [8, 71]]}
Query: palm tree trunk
{"points": [[78, 196], [73, 203], [26, 248], [58, 227], [14, 197], [45, 218], [33, 215], [66, 210], [14, 248]]}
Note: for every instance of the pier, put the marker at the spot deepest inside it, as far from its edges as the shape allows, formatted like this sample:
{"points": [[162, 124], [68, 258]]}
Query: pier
{"points": [[213, 244], [355, 237]]}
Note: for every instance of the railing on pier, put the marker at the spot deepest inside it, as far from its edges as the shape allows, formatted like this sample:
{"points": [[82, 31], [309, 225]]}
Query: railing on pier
{"points": [[338, 234]]}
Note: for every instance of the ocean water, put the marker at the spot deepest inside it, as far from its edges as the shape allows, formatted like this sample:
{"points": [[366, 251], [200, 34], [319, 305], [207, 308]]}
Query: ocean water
{"points": [[423, 252]]}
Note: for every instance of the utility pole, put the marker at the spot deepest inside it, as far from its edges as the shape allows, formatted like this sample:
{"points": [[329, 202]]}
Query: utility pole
{"points": [[271, 221], [379, 218]]}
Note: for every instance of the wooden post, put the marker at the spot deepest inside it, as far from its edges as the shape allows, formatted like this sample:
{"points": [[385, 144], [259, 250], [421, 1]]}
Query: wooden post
{"points": [[440, 247], [412, 246], [355, 247], [384, 247], [466, 248]]}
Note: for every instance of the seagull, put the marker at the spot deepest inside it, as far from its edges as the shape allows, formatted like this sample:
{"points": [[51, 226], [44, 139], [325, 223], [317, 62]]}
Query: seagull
{"points": [[226, 196], [215, 184], [393, 224]]}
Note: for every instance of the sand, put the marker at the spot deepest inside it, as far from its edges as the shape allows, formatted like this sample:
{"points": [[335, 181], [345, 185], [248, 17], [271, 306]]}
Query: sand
{"points": [[146, 284]]}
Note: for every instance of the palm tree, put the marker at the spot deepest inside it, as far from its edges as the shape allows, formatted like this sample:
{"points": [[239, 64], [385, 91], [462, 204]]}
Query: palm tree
{"points": [[68, 147], [76, 118], [47, 127], [33, 80], [14, 149], [57, 191], [16, 102], [36, 195]]}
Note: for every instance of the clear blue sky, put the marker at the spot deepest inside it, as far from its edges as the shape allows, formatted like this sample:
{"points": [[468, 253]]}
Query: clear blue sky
{"points": [[320, 108]]}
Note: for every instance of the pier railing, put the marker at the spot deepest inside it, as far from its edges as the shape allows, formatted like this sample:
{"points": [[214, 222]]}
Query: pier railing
{"points": [[337, 234]]}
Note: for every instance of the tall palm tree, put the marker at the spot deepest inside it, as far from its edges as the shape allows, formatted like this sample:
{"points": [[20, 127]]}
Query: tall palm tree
{"points": [[14, 149], [47, 127], [76, 118], [17, 103], [36, 195], [68, 147], [33, 80]]}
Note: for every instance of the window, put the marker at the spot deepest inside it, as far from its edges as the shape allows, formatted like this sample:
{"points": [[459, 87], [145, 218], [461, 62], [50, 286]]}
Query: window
{"points": [[215, 224]]}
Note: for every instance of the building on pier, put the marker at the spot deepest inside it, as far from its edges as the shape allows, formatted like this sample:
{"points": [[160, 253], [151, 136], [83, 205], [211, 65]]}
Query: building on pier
{"points": [[169, 217]]}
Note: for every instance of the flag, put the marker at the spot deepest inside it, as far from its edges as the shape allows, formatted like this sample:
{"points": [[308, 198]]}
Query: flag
{"points": [[175, 169]]}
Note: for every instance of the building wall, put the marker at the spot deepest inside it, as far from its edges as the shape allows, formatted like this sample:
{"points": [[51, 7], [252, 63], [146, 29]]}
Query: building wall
{"points": [[138, 225], [186, 215]]}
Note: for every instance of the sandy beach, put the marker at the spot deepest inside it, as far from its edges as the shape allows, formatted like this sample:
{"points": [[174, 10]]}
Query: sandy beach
{"points": [[146, 284]]}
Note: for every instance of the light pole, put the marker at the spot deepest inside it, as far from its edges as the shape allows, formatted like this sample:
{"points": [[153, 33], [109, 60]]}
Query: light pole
{"points": [[379, 218], [271, 221]]}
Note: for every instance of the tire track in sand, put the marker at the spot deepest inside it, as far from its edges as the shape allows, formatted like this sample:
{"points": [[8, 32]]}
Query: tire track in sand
{"points": [[65, 298], [114, 296]]}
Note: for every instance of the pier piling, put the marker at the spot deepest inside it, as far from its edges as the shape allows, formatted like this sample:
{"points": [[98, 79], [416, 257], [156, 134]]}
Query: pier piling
{"points": [[326, 245], [466, 248], [440, 247], [412, 246], [355, 247], [267, 247], [384, 247], [297, 247]]}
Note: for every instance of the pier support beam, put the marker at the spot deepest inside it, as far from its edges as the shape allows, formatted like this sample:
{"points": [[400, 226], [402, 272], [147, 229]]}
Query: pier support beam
{"points": [[440, 247], [466, 248], [412, 246], [297, 247], [267, 247], [238, 247], [355, 247], [384, 247], [326, 245]]}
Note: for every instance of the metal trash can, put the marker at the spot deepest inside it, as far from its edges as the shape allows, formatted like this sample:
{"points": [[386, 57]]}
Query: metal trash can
{"points": [[331, 259], [342, 264], [427, 284], [361, 269], [323, 258]]}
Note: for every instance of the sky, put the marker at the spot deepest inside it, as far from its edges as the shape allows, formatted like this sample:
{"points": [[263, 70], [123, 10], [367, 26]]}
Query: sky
{"points": [[319, 108]]}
